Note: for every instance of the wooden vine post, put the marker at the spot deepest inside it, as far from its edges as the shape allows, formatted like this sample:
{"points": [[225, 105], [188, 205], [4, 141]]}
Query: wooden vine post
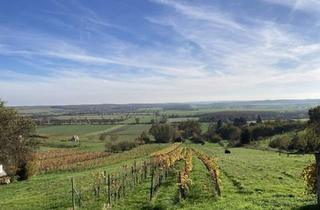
{"points": [[151, 185], [109, 190], [317, 156], [73, 194], [124, 184], [180, 186]]}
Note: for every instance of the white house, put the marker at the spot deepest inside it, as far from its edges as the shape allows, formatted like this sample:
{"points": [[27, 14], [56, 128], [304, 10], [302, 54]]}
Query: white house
{"points": [[75, 138], [4, 179], [2, 172]]}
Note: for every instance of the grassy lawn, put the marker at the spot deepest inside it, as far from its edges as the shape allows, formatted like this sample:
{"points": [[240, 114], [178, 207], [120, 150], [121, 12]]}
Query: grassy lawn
{"points": [[251, 179]]}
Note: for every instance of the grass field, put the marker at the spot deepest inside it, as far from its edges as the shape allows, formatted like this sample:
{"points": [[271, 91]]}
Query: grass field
{"points": [[69, 130], [251, 179], [89, 135], [129, 132]]}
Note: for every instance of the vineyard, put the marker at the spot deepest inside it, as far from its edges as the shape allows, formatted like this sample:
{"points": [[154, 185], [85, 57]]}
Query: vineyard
{"points": [[65, 159], [109, 189], [162, 176]]}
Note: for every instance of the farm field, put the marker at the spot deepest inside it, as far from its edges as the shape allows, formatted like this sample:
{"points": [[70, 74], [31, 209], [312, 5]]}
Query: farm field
{"points": [[250, 179], [69, 130], [58, 136]]}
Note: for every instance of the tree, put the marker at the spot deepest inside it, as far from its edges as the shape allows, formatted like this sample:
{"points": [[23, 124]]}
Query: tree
{"points": [[114, 138], [229, 132], [240, 122], [137, 120], [162, 133], [259, 119], [245, 136], [314, 115], [196, 138], [219, 124], [16, 145], [143, 138], [103, 137], [190, 128], [157, 113], [310, 140], [164, 119], [211, 130]]}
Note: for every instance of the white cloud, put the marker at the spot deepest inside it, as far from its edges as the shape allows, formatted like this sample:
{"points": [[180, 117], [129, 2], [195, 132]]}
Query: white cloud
{"points": [[304, 5], [206, 13], [212, 57]]}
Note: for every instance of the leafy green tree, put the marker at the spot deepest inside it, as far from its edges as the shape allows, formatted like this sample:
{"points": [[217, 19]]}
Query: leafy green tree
{"points": [[281, 142], [240, 122], [229, 132], [259, 119], [164, 119], [311, 137], [16, 145], [137, 120], [211, 130], [219, 124], [190, 128], [245, 136], [162, 133], [314, 115], [143, 138]]}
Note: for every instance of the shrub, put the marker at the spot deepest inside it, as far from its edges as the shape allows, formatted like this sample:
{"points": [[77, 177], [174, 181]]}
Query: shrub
{"points": [[114, 137], [122, 146], [197, 139], [281, 142], [103, 137], [308, 141], [214, 138]]}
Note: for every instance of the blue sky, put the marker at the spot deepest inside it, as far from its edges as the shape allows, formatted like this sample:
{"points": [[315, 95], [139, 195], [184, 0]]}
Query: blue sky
{"points": [[135, 51]]}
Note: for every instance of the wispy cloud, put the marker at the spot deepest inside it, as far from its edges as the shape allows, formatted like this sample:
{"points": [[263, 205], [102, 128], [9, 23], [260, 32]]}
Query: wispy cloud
{"points": [[203, 13], [303, 5], [194, 52]]}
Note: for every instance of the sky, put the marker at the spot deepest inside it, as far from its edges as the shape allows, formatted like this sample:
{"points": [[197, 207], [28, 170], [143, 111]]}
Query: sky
{"points": [[153, 51]]}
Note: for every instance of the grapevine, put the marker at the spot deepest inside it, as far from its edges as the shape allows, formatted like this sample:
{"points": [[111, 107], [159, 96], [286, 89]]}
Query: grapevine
{"points": [[184, 179], [213, 169], [310, 177]]}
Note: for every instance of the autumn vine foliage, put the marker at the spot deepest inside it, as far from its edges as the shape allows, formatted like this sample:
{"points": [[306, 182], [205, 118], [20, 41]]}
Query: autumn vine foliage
{"points": [[213, 168], [166, 150], [64, 159], [184, 181], [168, 157], [310, 177]]}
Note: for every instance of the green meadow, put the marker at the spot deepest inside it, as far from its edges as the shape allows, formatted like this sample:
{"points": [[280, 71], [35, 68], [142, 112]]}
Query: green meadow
{"points": [[251, 179]]}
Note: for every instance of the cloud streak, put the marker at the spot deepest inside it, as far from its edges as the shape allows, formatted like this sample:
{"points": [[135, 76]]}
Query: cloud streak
{"points": [[194, 52]]}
